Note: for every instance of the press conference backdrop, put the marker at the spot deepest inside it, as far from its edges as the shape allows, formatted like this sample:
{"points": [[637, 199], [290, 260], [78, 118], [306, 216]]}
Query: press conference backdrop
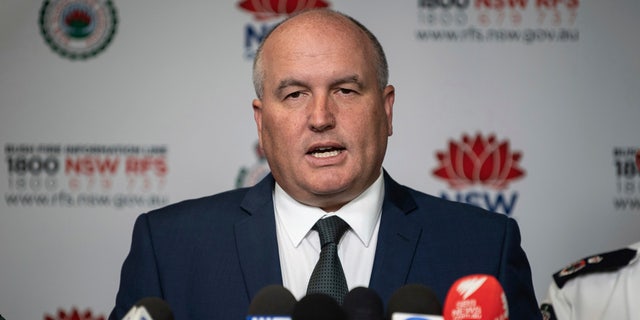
{"points": [[530, 108]]}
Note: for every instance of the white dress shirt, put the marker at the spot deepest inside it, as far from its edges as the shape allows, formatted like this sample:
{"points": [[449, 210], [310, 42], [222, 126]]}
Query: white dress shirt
{"points": [[299, 246]]}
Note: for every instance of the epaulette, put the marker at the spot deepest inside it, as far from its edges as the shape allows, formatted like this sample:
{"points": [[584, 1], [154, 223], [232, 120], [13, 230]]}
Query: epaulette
{"points": [[604, 262]]}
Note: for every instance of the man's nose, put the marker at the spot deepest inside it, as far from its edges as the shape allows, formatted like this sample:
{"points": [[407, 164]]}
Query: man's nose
{"points": [[322, 114]]}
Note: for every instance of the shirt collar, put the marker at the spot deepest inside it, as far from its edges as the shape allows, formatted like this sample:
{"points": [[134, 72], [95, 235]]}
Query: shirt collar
{"points": [[362, 213]]}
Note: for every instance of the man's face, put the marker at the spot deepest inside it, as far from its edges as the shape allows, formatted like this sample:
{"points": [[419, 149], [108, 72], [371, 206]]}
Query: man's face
{"points": [[323, 121]]}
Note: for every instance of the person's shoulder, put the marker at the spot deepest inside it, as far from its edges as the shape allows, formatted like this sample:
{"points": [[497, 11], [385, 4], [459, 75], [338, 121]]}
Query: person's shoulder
{"points": [[408, 198], [598, 264], [229, 197], [224, 202], [449, 209]]}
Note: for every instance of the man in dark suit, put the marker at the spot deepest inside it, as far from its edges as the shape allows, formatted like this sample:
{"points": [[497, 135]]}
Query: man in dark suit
{"points": [[323, 113]]}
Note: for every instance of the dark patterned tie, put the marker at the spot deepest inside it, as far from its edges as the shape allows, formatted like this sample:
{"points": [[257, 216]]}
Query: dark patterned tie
{"points": [[328, 277]]}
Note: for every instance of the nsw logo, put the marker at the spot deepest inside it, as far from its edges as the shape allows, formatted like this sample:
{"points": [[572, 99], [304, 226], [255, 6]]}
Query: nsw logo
{"points": [[265, 11], [269, 9], [74, 314], [482, 161]]}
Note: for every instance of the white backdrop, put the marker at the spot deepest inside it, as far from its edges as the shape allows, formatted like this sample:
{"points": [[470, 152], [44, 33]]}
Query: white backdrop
{"points": [[164, 114]]}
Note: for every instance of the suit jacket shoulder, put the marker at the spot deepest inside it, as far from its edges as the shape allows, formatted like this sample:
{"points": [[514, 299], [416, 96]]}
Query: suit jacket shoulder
{"points": [[206, 257], [433, 241]]}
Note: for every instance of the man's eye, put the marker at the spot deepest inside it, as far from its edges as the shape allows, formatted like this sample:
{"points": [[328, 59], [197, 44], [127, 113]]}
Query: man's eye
{"points": [[294, 95], [346, 91]]}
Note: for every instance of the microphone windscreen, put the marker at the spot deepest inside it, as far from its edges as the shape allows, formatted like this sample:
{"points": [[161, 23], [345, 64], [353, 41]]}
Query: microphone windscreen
{"points": [[415, 299], [363, 304], [317, 306], [272, 300], [157, 308], [478, 297]]}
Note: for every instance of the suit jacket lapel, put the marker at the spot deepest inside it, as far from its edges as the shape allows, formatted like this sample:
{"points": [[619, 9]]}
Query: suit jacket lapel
{"points": [[397, 240], [256, 239], [257, 243]]}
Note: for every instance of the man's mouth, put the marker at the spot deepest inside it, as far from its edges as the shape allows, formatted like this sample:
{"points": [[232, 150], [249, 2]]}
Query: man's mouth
{"points": [[325, 152]]}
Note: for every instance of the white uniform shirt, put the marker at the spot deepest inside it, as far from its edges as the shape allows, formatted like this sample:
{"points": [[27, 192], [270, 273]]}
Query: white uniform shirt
{"points": [[600, 295], [299, 246]]}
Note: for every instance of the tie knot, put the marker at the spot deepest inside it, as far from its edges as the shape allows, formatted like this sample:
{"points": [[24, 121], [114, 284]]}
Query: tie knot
{"points": [[330, 229]]}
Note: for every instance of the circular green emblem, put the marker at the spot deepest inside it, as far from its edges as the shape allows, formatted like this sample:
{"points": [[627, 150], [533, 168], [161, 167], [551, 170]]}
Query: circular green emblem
{"points": [[78, 29]]}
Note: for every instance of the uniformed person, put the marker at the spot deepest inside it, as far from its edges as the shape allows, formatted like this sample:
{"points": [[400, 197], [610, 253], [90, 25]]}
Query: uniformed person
{"points": [[602, 286]]}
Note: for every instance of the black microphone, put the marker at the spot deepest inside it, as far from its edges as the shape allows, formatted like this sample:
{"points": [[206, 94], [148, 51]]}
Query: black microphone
{"points": [[414, 301], [150, 308], [363, 304], [272, 302], [318, 306]]}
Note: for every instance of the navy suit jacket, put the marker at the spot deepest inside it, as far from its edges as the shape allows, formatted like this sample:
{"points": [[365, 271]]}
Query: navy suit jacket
{"points": [[209, 257]]}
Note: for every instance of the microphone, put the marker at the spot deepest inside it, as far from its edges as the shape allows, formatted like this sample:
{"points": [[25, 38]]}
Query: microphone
{"points": [[272, 302], [363, 304], [318, 306], [150, 308], [414, 302], [477, 297]]}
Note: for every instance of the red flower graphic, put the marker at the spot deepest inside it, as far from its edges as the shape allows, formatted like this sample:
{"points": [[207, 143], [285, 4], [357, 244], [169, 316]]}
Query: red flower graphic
{"points": [[267, 9], [73, 315], [479, 161], [638, 159]]}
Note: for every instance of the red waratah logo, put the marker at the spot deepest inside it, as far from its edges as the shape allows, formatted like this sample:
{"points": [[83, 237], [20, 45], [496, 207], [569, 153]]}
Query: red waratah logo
{"points": [[268, 9], [74, 314], [479, 160]]}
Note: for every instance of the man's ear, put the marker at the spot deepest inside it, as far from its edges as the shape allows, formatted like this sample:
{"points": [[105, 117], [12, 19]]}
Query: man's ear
{"points": [[257, 116], [389, 96]]}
